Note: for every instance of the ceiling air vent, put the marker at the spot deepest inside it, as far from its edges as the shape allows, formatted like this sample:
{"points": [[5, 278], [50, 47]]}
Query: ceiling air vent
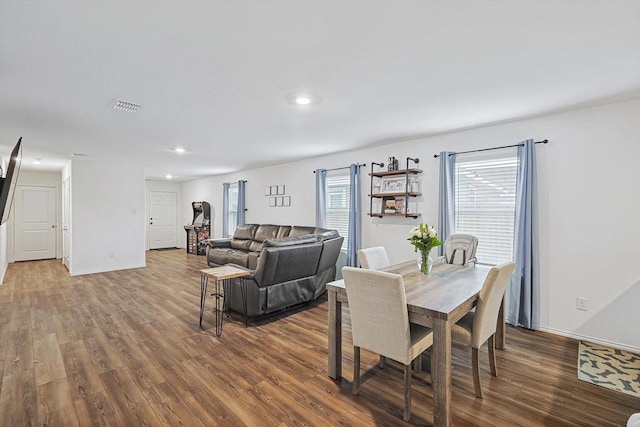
{"points": [[126, 106]]}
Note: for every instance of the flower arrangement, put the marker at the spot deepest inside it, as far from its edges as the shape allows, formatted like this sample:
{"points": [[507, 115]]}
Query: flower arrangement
{"points": [[424, 238]]}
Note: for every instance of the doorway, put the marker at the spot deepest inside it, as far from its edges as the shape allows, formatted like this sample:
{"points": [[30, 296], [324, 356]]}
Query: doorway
{"points": [[35, 223], [162, 220]]}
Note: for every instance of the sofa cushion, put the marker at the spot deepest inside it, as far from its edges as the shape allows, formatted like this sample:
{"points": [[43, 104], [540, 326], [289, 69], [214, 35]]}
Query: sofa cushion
{"points": [[245, 231], [266, 231], [218, 255], [284, 231], [240, 244], [238, 257]]}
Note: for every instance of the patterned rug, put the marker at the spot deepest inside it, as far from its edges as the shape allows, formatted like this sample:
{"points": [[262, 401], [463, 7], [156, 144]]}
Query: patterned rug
{"points": [[609, 367]]}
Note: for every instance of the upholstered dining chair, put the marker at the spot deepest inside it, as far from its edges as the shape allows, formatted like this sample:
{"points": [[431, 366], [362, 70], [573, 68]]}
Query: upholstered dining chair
{"points": [[373, 258], [479, 325], [459, 249], [380, 323]]}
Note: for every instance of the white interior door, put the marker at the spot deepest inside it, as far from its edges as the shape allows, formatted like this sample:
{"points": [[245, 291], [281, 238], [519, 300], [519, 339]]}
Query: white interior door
{"points": [[162, 220], [66, 224], [35, 223]]}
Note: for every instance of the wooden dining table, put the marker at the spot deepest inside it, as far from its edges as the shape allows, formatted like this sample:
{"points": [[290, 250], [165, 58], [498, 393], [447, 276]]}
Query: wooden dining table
{"points": [[437, 301]]}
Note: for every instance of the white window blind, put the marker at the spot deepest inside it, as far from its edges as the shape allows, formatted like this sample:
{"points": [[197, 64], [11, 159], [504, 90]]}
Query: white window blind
{"points": [[338, 193], [485, 195], [233, 208]]}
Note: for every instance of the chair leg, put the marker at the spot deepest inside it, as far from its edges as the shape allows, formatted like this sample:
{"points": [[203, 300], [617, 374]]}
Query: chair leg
{"points": [[492, 355], [356, 371], [475, 367], [417, 364], [407, 392]]}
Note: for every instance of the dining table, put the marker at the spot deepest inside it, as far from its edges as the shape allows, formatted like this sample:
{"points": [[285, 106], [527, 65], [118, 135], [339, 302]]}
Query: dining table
{"points": [[436, 300]]}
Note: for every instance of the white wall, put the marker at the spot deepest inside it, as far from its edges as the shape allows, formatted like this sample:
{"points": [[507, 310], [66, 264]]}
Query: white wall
{"points": [[589, 209], [107, 217]]}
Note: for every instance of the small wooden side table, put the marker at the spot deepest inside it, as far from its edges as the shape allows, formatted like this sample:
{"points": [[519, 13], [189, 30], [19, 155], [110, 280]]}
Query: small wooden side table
{"points": [[221, 275]]}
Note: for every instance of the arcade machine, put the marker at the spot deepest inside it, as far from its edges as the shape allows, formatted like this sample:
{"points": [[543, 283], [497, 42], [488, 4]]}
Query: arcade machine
{"points": [[199, 230]]}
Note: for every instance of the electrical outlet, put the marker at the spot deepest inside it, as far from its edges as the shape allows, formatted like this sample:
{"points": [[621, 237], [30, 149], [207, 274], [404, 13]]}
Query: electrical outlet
{"points": [[581, 303]]}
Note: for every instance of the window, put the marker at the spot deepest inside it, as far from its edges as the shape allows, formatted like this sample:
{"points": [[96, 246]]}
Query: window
{"points": [[338, 192], [485, 197], [231, 212]]}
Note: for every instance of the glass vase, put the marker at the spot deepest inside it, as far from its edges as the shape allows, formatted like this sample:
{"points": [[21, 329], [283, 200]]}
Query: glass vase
{"points": [[425, 262]]}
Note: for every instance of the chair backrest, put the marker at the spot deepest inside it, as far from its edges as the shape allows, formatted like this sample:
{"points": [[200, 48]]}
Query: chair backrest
{"points": [[489, 300], [373, 258], [379, 314], [460, 249]]}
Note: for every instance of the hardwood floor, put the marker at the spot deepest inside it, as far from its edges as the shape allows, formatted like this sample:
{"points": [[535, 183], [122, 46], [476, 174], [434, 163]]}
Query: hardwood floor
{"points": [[124, 348]]}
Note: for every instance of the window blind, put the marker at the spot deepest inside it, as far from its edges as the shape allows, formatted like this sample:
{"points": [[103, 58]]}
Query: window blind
{"points": [[233, 208], [338, 192], [485, 196]]}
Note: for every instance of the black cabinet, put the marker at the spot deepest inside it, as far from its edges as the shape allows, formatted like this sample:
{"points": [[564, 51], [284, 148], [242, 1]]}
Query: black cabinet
{"points": [[199, 231]]}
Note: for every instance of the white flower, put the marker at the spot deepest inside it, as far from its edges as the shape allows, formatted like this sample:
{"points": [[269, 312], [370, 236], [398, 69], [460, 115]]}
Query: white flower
{"points": [[432, 232], [415, 232]]}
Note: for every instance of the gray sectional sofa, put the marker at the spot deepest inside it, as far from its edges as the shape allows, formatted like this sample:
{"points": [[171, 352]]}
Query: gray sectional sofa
{"points": [[288, 265]]}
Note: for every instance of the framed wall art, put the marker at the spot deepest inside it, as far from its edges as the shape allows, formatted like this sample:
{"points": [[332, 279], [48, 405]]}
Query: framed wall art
{"points": [[393, 185]]}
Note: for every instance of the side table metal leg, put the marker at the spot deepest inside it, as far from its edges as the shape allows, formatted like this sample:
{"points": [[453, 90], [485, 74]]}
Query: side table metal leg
{"points": [[204, 279], [243, 291], [219, 307]]}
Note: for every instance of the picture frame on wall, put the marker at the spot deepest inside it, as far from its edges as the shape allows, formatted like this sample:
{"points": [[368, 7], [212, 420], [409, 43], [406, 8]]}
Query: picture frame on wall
{"points": [[272, 201], [267, 190], [274, 190], [286, 201], [278, 201], [281, 190], [393, 185]]}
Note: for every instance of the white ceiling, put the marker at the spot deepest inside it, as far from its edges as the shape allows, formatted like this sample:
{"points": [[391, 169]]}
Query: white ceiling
{"points": [[215, 77]]}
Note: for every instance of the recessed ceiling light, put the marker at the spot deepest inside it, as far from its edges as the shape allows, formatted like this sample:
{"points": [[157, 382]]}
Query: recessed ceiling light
{"points": [[37, 161], [168, 177], [179, 150], [303, 100]]}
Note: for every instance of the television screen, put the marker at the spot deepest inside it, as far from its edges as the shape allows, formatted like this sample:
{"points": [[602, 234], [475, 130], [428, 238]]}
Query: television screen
{"points": [[8, 183]]}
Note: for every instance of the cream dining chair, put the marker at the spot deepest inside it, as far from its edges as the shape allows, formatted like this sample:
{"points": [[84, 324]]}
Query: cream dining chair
{"points": [[373, 258], [380, 323], [479, 325]]}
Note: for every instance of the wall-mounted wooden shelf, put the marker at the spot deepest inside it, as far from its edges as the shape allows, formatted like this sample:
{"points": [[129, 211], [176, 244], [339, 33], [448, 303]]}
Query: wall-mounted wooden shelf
{"points": [[394, 188]]}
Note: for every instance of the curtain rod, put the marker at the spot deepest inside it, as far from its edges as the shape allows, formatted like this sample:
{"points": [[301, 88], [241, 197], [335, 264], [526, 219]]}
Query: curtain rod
{"points": [[544, 141], [344, 167]]}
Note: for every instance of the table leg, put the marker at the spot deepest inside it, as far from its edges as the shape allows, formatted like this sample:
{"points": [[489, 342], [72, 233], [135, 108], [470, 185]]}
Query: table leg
{"points": [[441, 372], [335, 336], [219, 307], [204, 279]]}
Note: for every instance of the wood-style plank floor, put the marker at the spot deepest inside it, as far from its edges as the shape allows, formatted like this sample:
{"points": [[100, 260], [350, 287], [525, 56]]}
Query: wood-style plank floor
{"points": [[124, 349]]}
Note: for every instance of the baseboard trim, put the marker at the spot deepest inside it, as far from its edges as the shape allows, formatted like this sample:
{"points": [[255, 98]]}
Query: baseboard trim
{"points": [[613, 344]]}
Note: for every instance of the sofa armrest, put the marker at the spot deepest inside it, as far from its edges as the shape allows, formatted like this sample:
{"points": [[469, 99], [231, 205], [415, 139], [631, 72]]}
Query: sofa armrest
{"points": [[219, 243]]}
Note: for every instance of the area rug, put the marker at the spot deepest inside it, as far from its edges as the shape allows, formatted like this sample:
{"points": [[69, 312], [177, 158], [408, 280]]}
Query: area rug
{"points": [[609, 367]]}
